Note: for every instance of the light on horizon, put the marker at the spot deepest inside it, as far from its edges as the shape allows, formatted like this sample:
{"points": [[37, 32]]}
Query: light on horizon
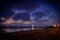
{"points": [[54, 25], [58, 25], [32, 27]]}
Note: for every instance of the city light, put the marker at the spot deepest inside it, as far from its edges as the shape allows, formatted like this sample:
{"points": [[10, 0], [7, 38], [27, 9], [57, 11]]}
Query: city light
{"points": [[54, 25]]}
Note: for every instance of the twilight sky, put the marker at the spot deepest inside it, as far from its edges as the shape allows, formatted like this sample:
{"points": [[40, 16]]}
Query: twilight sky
{"points": [[28, 12]]}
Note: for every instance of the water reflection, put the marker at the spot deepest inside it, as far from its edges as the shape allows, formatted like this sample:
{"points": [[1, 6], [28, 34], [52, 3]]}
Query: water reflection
{"points": [[19, 29]]}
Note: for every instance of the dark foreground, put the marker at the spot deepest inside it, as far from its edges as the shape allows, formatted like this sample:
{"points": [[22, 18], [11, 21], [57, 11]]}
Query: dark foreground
{"points": [[43, 34]]}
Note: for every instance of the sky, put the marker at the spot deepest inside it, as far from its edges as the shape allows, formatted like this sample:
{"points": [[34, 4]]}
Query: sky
{"points": [[28, 12]]}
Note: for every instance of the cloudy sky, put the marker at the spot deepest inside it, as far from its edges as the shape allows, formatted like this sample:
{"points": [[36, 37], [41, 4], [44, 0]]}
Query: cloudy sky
{"points": [[28, 12]]}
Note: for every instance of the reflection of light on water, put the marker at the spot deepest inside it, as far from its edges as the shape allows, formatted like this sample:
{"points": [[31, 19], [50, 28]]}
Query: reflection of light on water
{"points": [[21, 29], [14, 30]]}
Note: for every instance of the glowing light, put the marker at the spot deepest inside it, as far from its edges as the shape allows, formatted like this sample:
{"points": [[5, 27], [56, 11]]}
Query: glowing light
{"points": [[54, 25], [58, 25], [32, 27]]}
